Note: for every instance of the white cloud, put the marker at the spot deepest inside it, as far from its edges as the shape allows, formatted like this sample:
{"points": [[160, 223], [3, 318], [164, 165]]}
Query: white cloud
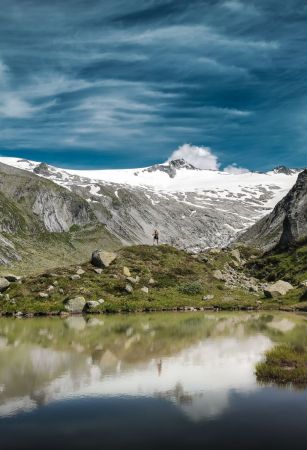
{"points": [[200, 157], [235, 170]]}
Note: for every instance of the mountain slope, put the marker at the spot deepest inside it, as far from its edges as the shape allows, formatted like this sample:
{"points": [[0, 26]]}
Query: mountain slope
{"points": [[193, 208], [42, 222], [286, 225]]}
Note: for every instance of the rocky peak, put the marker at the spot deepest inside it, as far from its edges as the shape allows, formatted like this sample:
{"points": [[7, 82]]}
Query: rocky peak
{"points": [[171, 167], [285, 170]]}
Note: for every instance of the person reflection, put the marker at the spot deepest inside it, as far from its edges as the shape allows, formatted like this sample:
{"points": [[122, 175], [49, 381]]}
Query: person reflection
{"points": [[159, 367]]}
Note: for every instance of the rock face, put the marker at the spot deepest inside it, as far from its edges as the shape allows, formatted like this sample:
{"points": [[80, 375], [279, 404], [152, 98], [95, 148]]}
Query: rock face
{"points": [[75, 305], [102, 258], [286, 224], [277, 289], [4, 284]]}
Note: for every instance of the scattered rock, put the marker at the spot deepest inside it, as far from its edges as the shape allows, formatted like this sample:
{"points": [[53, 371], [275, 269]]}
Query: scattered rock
{"points": [[75, 277], [145, 289], [302, 283], [50, 288], [19, 314], [217, 274], [208, 297], [12, 278], [80, 272], [279, 288], [75, 305], [61, 291], [102, 258], [132, 280], [4, 284], [129, 288], [43, 295], [7, 297], [151, 281], [126, 272], [100, 301], [97, 270]]}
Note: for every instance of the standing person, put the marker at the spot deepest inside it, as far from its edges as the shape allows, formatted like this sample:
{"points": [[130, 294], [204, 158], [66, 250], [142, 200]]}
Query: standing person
{"points": [[156, 237]]}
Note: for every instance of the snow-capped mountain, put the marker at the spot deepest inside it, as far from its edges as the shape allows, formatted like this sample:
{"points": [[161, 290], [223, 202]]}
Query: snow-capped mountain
{"points": [[192, 208]]}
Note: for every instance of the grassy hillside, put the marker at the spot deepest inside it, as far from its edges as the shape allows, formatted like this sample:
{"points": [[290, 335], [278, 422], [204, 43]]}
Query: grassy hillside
{"points": [[174, 278]]}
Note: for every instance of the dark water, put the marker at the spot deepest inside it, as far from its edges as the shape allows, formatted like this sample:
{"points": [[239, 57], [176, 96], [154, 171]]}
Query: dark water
{"points": [[147, 381]]}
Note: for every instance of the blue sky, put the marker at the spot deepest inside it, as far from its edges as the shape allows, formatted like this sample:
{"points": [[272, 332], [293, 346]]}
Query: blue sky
{"points": [[120, 83]]}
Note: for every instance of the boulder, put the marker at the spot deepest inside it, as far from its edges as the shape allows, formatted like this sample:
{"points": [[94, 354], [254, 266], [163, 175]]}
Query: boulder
{"points": [[12, 278], [98, 271], [75, 305], [4, 284], [132, 280], [279, 288], [101, 258], [126, 272], [145, 289], [80, 272], [208, 297], [92, 304], [129, 288], [75, 277], [236, 254], [217, 274]]}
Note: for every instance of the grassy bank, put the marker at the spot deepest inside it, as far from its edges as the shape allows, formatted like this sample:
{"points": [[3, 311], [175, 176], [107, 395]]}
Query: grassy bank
{"points": [[284, 364]]}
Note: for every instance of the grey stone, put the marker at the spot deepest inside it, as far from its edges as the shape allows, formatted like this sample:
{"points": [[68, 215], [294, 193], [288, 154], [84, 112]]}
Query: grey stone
{"points": [[217, 274], [75, 305], [4, 284], [236, 254], [75, 277], [132, 280], [277, 289], [80, 272], [208, 297], [98, 270], [126, 272], [145, 289], [43, 295], [129, 288], [101, 258]]}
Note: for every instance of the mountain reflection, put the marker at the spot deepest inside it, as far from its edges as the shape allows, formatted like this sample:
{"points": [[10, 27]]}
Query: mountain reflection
{"points": [[193, 360]]}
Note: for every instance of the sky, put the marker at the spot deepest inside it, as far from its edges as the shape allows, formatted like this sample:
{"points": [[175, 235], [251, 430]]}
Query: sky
{"points": [[129, 83]]}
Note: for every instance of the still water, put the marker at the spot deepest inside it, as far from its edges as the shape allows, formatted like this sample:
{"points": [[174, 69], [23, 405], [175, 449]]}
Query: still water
{"points": [[171, 380]]}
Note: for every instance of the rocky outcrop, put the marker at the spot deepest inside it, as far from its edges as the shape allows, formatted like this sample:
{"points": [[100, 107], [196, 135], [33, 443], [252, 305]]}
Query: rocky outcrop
{"points": [[286, 225]]}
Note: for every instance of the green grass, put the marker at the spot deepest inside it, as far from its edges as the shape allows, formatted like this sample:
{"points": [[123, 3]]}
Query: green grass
{"points": [[284, 364], [180, 281]]}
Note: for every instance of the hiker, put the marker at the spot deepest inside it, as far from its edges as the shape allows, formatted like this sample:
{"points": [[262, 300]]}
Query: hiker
{"points": [[156, 237]]}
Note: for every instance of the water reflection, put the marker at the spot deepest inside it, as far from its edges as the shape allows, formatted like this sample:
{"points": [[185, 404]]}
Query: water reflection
{"points": [[195, 361]]}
